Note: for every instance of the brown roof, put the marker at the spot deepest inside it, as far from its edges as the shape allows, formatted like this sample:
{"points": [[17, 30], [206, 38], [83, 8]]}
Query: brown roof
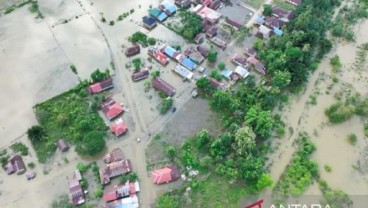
{"points": [[203, 50], [140, 75], [196, 57], [216, 84], [250, 52], [115, 155], [101, 86], [199, 38], [76, 192], [274, 22], [282, 14], [160, 84], [239, 60], [189, 51], [132, 50], [16, 165], [115, 169], [215, 4], [212, 31], [233, 23], [63, 145]]}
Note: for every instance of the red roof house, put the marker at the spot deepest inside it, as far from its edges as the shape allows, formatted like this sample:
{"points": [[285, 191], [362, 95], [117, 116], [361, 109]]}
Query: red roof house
{"points": [[119, 127], [165, 175], [114, 169], [158, 55], [161, 85], [109, 195], [111, 109], [16, 165], [100, 86], [120, 191]]}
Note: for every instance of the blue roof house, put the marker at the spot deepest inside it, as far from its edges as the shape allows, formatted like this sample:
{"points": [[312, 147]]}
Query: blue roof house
{"points": [[189, 64], [277, 31], [149, 22], [168, 8], [227, 74], [171, 52]]}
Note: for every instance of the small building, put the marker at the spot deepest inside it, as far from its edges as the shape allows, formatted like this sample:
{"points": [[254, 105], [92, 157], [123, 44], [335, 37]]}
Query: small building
{"points": [[62, 145], [137, 76], [263, 32], [242, 72], [149, 22], [158, 55], [165, 175], [169, 51], [15, 165], [186, 62], [207, 13], [76, 192], [218, 42], [114, 156], [158, 14], [277, 31], [236, 25], [189, 50], [283, 14], [77, 175], [215, 4], [168, 8], [216, 84], [274, 22], [114, 169], [185, 4], [163, 86], [257, 65], [100, 86], [259, 20], [206, 3], [294, 2], [226, 73], [203, 50], [119, 127], [212, 32], [239, 60], [183, 72], [199, 38], [196, 57], [111, 109], [250, 52], [133, 50], [121, 191]]}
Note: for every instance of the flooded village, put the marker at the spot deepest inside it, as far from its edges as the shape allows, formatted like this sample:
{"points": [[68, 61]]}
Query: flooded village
{"points": [[182, 103]]}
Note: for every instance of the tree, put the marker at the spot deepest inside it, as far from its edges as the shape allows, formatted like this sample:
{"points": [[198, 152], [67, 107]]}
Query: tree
{"points": [[151, 41], [223, 100], [221, 66], [36, 133], [98, 193], [203, 138], [212, 56], [261, 121], [250, 169], [97, 75], [216, 75], [155, 73], [281, 79], [167, 201], [93, 143], [170, 152], [267, 10], [147, 85], [166, 105], [82, 167], [264, 181], [244, 140], [203, 83], [137, 62], [74, 69]]}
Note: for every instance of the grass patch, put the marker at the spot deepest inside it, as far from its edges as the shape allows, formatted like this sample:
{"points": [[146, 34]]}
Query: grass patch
{"points": [[19, 147], [254, 3], [70, 116], [335, 63], [352, 139], [284, 5], [366, 129], [334, 198], [328, 168]]}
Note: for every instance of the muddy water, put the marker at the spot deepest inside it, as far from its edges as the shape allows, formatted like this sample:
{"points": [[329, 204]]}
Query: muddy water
{"points": [[332, 146]]}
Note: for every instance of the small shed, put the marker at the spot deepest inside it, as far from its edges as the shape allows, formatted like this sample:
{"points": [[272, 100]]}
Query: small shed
{"points": [[63, 145]]}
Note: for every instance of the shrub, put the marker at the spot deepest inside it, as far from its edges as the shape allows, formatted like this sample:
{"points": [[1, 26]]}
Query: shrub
{"points": [[98, 193], [112, 22], [328, 168], [338, 30], [167, 201], [74, 69], [170, 152], [137, 63], [338, 112], [20, 147], [216, 75], [97, 75], [166, 105], [221, 66], [366, 128], [31, 165], [36, 133], [352, 139], [212, 56], [82, 167], [267, 10], [151, 41]]}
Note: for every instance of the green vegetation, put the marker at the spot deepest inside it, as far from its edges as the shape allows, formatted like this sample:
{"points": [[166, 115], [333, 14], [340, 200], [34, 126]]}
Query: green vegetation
{"points": [[19, 147], [4, 157], [155, 73], [166, 105], [151, 41], [70, 116], [352, 139], [96, 172], [216, 75], [300, 173], [35, 9], [335, 63], [112, 22], [74, 69], [129, 177], [167, 201], [334, 198], [328, 168], [97, 75], [98, 193], [366, 128], [82, 167], [190, 25], [141, 38], [221, 66], [31, 165], [122, 16], [361, 57], [267, 10], [212, 56], [137, 63], [62, 201]]}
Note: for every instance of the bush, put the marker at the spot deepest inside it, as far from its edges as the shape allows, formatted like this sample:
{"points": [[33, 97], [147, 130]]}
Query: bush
{"points": [[328, 168], [36, 133], [170, 152], [74, 69], [112, 22], [98, 193], [366, 128], [221, 66], [267, 10], [212, 56], [151, 41], [166, 105], [338, 30], [338, 112], [20, 147], [82, 167], [335, 62], [216, 75], [352, 139], [155, 73], [167, 201], [137, 63], [31, 165], [97, 75]]}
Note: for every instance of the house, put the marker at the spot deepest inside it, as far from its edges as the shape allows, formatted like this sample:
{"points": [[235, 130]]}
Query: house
{"points": [[239, 60], [259, 20], [199, 38], [100, 86], [77, 175], [165, 175], [274, 22], [220, 43], [157, 14], [120, 191], [149, 22], [128, 202], [114, 169], [161, 85], [283, 14], [114, 156], [212, 31], [76, 192], [137, 76], [189, 51], [257, 65], [250, 52], [135, 49], [263, 32], [203, 50], [182, 71], [226, 73], [158, 55], [277, 31], [168, 8], [236, 25], [215, 4], [207, 13], [197, 1], [185, 4], [186, 62], [111, 109], [169, 51], [206, 3], [15, 164], [62, 145], [196, 57], [294, 2], [216, 84], [119, 127], [243, 72]]}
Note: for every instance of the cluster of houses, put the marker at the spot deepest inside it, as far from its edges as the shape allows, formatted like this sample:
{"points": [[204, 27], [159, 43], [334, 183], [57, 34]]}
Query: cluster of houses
{"points": [[110, 108], [118, 195], [272, 25]]}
